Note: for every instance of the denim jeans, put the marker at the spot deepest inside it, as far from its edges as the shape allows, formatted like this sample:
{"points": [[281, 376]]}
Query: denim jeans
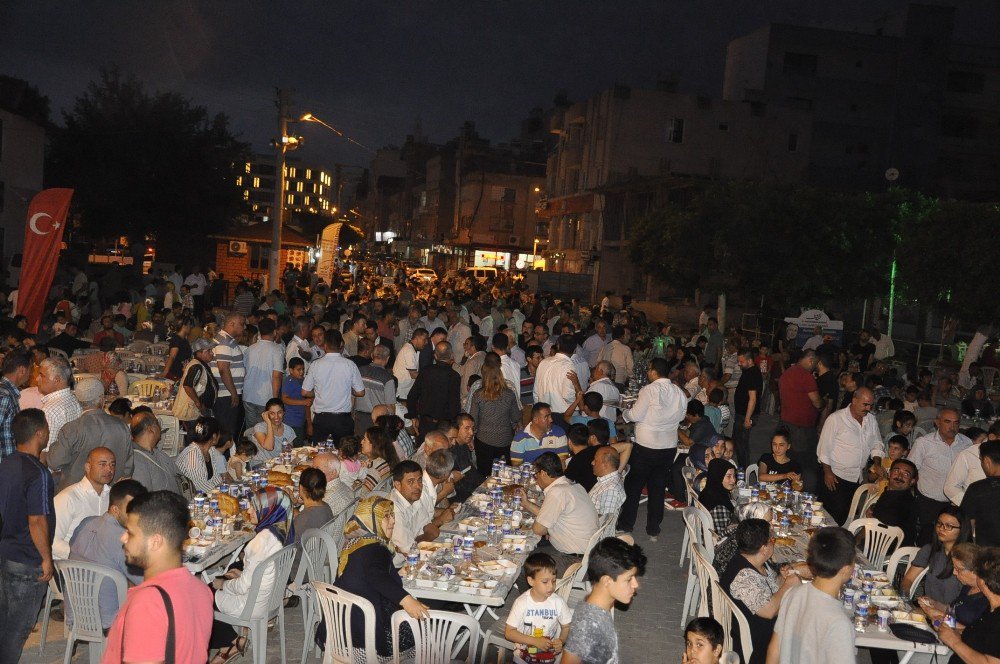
{"points": [[21, 595]]}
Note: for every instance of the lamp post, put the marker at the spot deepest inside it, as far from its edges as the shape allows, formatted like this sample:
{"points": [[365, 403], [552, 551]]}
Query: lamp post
{"points": [[281, 145]]}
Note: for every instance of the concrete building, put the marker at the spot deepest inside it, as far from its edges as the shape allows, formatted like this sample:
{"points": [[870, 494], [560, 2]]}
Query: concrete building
{"points": [[245, 251], [22, 156], [898, 93], [308, 188], [619, 141]]}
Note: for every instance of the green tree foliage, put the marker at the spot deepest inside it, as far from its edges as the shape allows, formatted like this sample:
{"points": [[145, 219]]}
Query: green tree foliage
{"points": [[147, 163]]}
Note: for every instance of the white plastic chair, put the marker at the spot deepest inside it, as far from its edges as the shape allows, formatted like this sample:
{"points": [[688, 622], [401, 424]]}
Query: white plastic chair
{"points": [[564, 586], [752, 474], [989, 376], [147, 387], [501, 644], [879, 538], [82, 588], [860, 497], [697, 530], [916, 584], [139, 347], [336, 605], [706, 576], [170, 434], [317, 562], [56, 352], [580, 581], [52, 593], [437, 638], [725, 610], [899, 562], [281, 564]]}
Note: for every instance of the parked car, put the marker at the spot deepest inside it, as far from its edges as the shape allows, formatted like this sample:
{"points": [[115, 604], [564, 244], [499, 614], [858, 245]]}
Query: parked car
{"points": [[423, 273]]}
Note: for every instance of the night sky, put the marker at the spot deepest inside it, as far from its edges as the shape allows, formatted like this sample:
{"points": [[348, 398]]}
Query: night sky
{"points": [[373, 68]]}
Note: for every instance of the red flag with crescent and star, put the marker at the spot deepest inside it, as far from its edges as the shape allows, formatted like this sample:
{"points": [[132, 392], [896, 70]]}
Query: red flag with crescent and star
{"points": [[42, 241]]}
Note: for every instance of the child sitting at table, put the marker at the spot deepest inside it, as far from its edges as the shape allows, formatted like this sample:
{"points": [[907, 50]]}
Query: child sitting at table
{"points": [[237, 466], [898, 447], [703, 639], [539, 619], [352, 467]]}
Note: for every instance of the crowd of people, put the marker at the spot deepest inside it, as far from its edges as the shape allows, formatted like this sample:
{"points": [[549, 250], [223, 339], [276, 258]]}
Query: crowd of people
{"points": [[420, 385]]}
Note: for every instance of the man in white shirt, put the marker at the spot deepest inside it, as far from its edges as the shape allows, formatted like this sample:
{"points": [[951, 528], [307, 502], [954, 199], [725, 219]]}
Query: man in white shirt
{"points": [[508, 367], [88, 497], [608, 494], [619, 354], [197, 282], [567, 516], [934, 454], [406, 366], [58, 402], [551, 384], [602, 382], [660, 407], [596, 342], [968, 468], [431, 322], [458, 331], [884, 348], [848, 445], [414, 495], [299, 344], [333, 380]]}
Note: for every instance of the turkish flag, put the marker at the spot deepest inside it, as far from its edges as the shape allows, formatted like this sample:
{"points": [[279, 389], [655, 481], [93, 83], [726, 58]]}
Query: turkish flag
{"points": [[42, 240]]}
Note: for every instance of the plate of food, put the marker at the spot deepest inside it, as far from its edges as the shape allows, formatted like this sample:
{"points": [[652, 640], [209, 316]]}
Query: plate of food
{"points": [[473, 522]]}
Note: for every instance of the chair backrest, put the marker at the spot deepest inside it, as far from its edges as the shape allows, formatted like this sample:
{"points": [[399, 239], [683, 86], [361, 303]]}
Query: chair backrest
{"points": [[879, 539], [725, 612], [59, 353], [706, 575], [699, 526], [321, 556], [608, 524], [581, 574], [989, 376], [752, 474], [439, 637], [689, 473], [170, 434], [496, 641], [146, 388], [916, 584], [860, 496], [159, 348], [188, 489], [565, 585], [139, 346], [81, 584], [280, 563], [337, 606], [899, 561]]}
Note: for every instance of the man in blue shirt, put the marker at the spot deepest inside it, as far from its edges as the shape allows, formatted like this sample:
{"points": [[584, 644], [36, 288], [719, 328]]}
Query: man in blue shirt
{"points": [[16, 370], [28, 518], [538, 437], [98, 539]]}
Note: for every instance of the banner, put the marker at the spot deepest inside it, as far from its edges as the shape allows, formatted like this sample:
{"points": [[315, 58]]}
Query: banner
{"points": [[803, 326], [328, 242], [42, 240]]}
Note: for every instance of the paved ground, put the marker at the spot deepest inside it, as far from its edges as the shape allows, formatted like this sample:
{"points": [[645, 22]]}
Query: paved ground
{"points": [[649, 630]]}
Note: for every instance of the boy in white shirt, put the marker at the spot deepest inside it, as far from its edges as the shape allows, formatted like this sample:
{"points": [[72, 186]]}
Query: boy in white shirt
{"points": [[539, 619]]}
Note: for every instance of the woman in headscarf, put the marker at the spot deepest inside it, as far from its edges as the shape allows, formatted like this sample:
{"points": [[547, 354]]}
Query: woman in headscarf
{"points": [[112, 369], [720, 481], [366, 569], [271, 510]]}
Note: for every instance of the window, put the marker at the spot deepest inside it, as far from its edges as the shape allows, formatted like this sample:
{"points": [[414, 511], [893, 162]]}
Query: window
{"points": [[248, 167], [290, 200], [793, 142], [959, 126], [246, 194], [309, 174], [675, 130], [239, 181], [800, 63], [965, 81], [298, 187], [260, 255], [503, 194], [291, 172], [256, 182], [306, 202]]}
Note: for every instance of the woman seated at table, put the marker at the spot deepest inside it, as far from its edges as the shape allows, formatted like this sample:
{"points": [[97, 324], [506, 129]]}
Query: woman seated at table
{"points": [[272, 432], [271, 512], [979, 641], [381, 455], [202, 461], [315, 512], [971, 602], [940, 584], [779, 465], [719, 483], [725, 550], [756, 588], [365, 568]]}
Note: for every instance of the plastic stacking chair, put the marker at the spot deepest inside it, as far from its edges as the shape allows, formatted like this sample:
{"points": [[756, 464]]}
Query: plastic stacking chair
{"points": [[336, 605], [580, 581], [439, 637], [500, 644], [317, 562], [899, 562], [724, 610], [82, 588], [281, 565], [52, 593], [879, 539], [752, 474], [859, 499], [564, 586], [706, 576], [698, 531], [146, 388]]}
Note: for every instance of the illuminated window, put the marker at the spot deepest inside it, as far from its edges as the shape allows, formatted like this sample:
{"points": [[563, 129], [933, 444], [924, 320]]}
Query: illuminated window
{"points": [[306, 202], [246, 194], [239, 181], [288, 184], [321, 190], [256, 182], [326, 205], [291, 199], [255, 207], [291, 172], [285, 171], [248, 167], [309, 174], [298, 187]]}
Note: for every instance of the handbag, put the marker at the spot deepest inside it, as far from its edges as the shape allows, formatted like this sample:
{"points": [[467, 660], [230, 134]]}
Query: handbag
{"points": [[184, 408]]}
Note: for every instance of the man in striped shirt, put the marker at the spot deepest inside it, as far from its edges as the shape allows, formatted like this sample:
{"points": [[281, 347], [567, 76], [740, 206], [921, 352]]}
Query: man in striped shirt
{"points": [[229, 370], [16, 370]]}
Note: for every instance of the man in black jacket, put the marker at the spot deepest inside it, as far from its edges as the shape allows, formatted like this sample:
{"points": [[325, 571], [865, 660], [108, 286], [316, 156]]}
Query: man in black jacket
{"points": [[895, 507], [435, 394]]}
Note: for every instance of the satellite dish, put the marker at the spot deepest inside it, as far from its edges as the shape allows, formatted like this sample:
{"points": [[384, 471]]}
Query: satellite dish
{"points": [[892, 174]]}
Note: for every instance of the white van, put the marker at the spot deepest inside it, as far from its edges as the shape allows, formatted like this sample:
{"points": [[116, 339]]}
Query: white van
{"points": [[481, 274]]}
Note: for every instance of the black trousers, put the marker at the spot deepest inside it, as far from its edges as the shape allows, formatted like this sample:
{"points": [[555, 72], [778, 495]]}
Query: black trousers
{"points": [[648, 469], [230, 417], [485, 454], [741, 440], [928, 510], [676, 484], [335, 425], [838, 501]]}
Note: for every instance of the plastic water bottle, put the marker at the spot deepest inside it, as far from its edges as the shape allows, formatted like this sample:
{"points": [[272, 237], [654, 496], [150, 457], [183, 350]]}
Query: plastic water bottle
{"points": [[741, 479], [861, 615], [412, 558]]}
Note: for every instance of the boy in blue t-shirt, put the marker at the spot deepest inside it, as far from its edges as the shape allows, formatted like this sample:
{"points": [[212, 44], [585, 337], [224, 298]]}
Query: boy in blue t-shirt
{"points": [[296, 406]]}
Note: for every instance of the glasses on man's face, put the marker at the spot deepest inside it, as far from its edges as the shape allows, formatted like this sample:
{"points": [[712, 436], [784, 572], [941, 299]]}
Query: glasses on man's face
{"points": [[946, 526]]}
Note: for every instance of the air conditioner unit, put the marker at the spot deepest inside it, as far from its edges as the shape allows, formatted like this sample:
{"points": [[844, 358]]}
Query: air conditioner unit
{"points": [[238, 248], [514, 240]]}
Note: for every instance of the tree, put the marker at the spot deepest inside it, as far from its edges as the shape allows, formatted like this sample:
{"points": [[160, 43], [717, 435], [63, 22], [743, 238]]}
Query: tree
{"points": [[147, 163]]}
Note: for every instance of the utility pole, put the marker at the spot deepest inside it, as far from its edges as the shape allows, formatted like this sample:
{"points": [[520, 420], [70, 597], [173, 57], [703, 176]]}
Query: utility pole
{"points": [[281, 144]]}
